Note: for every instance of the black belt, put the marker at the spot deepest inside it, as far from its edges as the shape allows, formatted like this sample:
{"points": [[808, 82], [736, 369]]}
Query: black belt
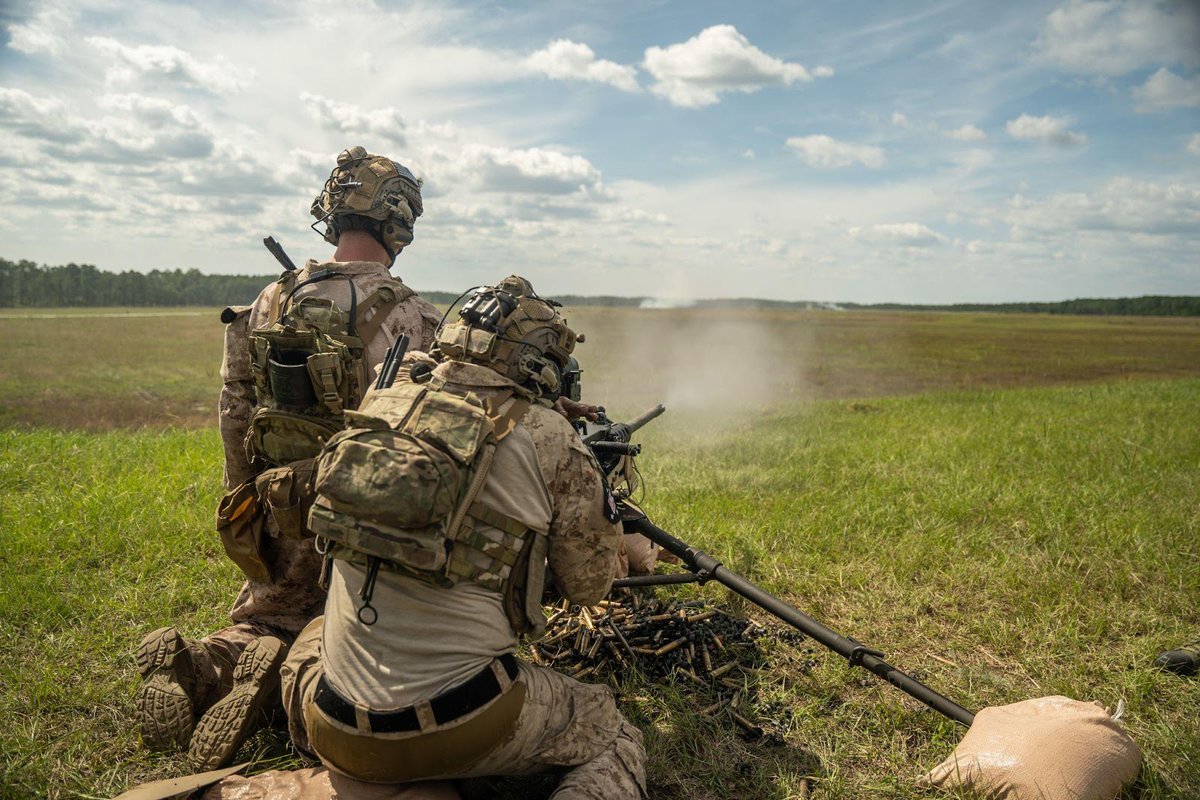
{"points": [[447, 707]]}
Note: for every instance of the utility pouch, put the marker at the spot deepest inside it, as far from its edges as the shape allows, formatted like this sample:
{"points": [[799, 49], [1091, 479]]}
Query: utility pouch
{"points": [[523, 595], [241, 523], [283, 437], [288, 495]]}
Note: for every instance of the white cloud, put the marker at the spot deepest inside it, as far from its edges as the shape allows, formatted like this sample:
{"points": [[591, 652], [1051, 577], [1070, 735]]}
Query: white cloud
{"points": [[161, 61], [748, 154], [1123, 205], [1113, 37], [563, 59], [825, 151], [1047, 129], [1164, 90], [137, 129], [718, 59], [907, 234], [1193, 145], [42, 33], [899, 120], [537, 170], [822, 72], [43, 118], [385, 124], [967, 133]]}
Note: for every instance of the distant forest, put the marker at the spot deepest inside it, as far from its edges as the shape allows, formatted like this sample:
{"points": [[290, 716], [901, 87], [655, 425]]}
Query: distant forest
{"points": [[24, 284]]}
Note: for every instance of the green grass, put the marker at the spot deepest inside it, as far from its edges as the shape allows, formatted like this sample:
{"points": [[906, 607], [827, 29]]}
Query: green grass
{"points": [[999, 545], [88, 369]]}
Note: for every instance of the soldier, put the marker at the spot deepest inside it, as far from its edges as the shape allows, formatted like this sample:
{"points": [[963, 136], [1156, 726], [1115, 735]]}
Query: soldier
{"points": [[295, 361], [439, 514]]}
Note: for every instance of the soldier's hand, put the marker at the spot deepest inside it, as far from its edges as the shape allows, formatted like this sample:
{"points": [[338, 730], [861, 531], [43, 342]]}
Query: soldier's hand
{"points": [[573, 410]]}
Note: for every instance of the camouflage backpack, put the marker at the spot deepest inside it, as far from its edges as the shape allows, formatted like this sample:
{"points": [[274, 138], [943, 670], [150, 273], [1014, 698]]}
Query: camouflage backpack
{"points": [[307, 363], [399, 487]]}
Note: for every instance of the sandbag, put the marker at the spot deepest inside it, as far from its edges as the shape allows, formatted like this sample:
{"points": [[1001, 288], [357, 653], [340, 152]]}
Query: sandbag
{"points": [[320, 784], [1048, 748]]}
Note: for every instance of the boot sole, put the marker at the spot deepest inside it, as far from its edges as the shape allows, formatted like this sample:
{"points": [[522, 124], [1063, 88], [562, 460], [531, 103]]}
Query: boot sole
{"points": [[222, 731], [164, 710]]}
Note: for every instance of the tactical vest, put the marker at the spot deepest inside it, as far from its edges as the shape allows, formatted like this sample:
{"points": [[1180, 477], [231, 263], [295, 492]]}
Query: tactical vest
{"points": [[398, 488], [307, 364]]}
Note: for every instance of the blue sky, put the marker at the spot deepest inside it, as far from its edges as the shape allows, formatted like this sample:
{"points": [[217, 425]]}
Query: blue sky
{"points": [[916, 152]]}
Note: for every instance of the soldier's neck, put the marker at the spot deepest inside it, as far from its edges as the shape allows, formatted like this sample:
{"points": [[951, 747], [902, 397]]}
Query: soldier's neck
{"points": [[360, 246]]}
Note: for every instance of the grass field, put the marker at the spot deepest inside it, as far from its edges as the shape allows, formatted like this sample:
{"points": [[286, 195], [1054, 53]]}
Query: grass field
{"points": [[1000, 504], [99, 369]]}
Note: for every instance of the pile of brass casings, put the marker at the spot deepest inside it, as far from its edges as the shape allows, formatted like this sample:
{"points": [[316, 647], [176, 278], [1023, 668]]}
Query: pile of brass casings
{"points": [[687, 643]]}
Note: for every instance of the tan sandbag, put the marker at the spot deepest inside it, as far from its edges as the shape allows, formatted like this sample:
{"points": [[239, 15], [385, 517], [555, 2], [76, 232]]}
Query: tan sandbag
{"points": [[320, 784], [1048, 748]]}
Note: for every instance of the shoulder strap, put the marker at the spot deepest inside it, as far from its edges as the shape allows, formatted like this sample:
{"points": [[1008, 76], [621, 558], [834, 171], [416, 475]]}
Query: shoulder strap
{"points": [[505, 423], [286, 283], [381, 301]]}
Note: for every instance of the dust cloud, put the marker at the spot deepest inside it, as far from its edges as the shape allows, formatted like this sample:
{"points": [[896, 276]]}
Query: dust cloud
{"points": [[691, 359]]}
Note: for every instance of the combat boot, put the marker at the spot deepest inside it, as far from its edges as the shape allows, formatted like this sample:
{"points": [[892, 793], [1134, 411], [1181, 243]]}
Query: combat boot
{"points": [[166, 700], [233, 718], [1183, 661]]}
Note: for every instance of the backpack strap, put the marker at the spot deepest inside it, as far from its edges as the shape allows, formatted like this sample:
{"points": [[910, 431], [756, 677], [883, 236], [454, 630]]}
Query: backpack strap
{"points": [[505, 423], [286, 283], [381, 302]]}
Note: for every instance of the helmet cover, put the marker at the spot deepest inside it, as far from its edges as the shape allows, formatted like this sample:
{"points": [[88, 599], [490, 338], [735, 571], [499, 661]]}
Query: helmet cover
{"points": [[371, 193], [512, 331]]}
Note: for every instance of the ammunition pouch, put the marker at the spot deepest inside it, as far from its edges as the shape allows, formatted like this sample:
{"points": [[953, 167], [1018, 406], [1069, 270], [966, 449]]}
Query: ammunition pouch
{"points": [[241, 523], [287, 495], [307, 366]]}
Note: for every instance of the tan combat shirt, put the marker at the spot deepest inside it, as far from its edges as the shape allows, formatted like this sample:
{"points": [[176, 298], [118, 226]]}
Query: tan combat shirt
{"points": [[412, 316], [429, 639]]}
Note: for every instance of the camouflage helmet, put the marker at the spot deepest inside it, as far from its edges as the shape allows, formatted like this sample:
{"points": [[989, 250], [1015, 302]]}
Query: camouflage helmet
{"points": [[371, 193], [511, 330]]}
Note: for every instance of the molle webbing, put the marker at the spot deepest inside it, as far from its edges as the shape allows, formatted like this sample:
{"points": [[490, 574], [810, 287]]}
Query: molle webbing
{"points": [[481, 544], [285, 283], [487, 555], [324, 275]]}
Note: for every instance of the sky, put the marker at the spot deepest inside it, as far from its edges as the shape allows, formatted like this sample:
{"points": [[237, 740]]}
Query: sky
{"points": [[918, 152]]}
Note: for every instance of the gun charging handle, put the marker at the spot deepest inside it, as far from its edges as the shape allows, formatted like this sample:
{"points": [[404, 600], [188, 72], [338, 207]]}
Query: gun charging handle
{"points": [[622, 431]]}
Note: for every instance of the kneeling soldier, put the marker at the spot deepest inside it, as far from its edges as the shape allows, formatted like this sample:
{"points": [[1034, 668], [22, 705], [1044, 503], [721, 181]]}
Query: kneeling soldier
{"points": [[439, 507], [295, 362]]}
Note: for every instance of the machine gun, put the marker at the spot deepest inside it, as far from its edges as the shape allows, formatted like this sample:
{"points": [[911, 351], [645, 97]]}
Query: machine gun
{"points": [[610, 443]]}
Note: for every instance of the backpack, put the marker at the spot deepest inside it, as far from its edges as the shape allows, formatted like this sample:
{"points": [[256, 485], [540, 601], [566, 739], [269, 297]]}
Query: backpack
{"points": [[399, 486], [307, 365]]}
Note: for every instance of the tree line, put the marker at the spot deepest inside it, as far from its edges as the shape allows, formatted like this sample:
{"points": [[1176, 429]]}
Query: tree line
{"points": [[24, 284], [1145, 306]]}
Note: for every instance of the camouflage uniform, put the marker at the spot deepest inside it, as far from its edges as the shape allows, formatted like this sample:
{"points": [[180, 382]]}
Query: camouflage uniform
{"points": [[550, 721], [283, 606]]}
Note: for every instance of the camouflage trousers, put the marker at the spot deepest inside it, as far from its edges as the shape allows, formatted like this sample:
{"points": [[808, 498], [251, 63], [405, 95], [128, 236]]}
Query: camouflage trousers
{"points": [[279, 608], [563, 725]]}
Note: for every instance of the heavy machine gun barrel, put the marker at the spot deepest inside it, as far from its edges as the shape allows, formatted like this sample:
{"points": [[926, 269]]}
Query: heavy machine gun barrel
{"points": [[706, 568]]}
